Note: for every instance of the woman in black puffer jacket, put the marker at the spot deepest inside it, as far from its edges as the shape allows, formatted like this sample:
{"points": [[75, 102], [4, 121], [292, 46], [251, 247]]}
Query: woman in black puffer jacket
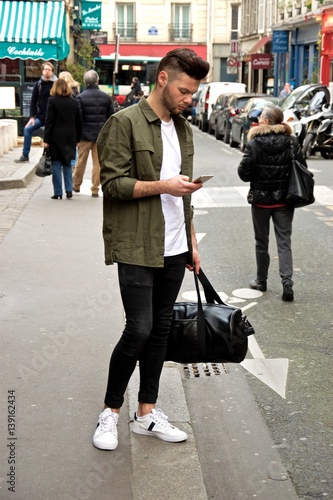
{"points": [[266, 165]]}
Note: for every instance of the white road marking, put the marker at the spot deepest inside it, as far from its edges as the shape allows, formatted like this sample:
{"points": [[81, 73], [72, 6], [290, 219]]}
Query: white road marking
{"points": [[236, 196]]}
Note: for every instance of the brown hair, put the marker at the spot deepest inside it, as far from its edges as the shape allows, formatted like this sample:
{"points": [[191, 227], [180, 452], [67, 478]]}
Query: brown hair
{"points": [[183, 60], [60, 87], [48, 64]]}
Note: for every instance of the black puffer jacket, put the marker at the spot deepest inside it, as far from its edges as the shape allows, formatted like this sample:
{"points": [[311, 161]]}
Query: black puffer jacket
{"points": [[95, 107], [266, 163]]}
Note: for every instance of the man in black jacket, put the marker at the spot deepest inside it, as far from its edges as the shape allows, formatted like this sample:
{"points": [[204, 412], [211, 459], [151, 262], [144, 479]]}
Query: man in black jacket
{"points": [[95, 107], [38, 107]]}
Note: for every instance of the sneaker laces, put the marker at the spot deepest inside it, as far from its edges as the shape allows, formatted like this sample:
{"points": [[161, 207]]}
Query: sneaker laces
{"points": [[108, 422], [161, 417]]}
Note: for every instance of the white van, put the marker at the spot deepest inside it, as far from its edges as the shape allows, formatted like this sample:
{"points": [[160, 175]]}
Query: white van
{"points": [[210, 92]]}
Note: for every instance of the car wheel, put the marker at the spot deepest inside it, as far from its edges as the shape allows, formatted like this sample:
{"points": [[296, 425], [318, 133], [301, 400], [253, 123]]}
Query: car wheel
{"points": [[308, 144], [226, 137], [204, 127], [210, 129], [232, 143], [217, 133], [242, 141]]}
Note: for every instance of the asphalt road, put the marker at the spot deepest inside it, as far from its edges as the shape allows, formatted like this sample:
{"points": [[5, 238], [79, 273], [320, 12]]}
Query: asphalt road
{"points": [[301, 424]]}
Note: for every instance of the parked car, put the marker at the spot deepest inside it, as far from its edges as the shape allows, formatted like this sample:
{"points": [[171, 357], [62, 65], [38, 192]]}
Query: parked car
{"points": [[224, 117], [208, 96], [217, 107], [242, 122], [297, 105], [195, 100], [187, 113]]}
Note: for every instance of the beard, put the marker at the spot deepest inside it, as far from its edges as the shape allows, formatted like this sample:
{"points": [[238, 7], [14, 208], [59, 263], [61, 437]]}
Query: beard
{"points": [[169, 103]]}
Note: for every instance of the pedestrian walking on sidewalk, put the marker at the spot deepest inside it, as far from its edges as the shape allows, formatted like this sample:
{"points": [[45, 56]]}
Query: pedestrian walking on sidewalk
{"points": [[95, 108], [63, 129], [38, 106], [266, 165], [146, 154]]}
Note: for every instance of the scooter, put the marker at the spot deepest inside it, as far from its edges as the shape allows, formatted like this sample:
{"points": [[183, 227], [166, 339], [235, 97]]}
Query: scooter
{"points": [[311, 125]]}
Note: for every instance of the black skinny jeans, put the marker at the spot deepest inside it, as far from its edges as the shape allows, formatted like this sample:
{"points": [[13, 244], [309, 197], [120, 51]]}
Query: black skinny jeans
{"points": [[148, 296]]}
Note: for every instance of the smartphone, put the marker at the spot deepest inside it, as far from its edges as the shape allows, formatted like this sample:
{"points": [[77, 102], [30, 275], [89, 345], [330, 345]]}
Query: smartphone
{"points": [[203, 178]]}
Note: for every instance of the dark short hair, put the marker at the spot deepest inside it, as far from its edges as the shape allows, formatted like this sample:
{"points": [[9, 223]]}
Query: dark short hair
{"points": [[183, 60], [60, 87]]}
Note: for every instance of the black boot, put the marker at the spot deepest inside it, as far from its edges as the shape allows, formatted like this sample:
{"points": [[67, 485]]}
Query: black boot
{"points": [[69, 194], [288, 293], [56, 197], [258, 285]]}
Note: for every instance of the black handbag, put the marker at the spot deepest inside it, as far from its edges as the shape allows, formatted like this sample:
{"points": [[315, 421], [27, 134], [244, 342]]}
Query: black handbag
{"points": [[44, 165], [211, 332], [301, 183]]}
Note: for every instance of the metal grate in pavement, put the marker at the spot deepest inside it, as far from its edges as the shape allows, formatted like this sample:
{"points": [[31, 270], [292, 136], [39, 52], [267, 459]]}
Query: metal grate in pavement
{"points": [[196, 370]]}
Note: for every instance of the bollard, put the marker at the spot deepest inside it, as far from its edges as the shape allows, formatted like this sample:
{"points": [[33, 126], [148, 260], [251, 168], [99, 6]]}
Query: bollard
{"points": [[12, 140], [1, 139]]}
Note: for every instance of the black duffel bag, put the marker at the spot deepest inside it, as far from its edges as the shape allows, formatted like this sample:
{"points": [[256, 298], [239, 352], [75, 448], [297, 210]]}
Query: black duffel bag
{"points": [[211, 332]]}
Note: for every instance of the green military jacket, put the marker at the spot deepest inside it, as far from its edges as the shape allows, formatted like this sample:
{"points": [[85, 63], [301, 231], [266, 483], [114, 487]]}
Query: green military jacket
{"points": [[130, 149]]}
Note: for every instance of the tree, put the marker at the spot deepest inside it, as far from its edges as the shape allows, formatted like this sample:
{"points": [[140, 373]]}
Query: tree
{"points": [[84, 59]]}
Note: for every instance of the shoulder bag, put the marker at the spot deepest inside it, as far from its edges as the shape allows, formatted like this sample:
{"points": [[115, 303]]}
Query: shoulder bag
{"points": [[44, 165], [301, 183], [211, 332]]}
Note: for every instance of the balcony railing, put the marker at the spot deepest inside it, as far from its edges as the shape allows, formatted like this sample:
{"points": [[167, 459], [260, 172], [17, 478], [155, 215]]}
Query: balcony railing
{"points": [[127, 31], [180, 32]]}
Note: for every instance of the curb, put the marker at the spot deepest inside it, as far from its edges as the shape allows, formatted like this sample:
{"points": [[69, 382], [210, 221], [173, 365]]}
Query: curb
{"points": [[19, 179]]}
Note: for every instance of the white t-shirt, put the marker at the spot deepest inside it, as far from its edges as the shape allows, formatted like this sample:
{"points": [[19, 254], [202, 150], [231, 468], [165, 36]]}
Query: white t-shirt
{"points": [[172, 206]]}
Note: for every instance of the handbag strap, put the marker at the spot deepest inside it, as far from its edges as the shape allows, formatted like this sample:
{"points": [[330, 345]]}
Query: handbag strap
{"points": [[292, 154]]}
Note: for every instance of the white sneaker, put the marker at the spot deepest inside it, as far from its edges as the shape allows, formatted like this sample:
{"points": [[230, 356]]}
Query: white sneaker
{"points": [[106, 433], [156, 424]]}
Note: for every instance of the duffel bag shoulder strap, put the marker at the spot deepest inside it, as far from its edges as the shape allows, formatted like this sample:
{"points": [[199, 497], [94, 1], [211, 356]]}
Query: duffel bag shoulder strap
{"points": [[210, 293], [201, 326]]}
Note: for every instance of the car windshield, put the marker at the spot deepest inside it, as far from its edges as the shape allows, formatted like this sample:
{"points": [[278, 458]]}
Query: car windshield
{"points": [[291, 98]]}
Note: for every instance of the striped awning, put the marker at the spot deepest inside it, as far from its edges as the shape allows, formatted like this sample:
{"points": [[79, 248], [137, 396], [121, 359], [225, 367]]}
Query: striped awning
{"points": [[27, 26]]}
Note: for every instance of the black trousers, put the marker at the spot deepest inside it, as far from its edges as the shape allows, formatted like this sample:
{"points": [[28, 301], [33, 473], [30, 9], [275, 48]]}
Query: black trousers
{"points": [[148, 296], [282, 220]]}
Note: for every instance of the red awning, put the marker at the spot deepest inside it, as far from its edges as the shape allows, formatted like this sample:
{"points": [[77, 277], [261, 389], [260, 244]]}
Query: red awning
{"points": [[140, 51], [260, 44]]}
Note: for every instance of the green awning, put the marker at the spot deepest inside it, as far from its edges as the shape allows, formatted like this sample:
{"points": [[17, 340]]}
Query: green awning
{"points": [[33, 30]]}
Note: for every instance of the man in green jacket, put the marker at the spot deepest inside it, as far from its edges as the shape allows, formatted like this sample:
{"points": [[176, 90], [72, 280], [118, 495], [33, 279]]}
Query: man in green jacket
{"points": [[146, 157]]}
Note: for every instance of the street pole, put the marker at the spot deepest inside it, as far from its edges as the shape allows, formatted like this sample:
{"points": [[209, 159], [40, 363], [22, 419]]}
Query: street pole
{"points": [[115, 68]]}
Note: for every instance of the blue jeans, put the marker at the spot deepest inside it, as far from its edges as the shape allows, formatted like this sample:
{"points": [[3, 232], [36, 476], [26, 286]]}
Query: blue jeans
{"points": [[282, 220], [28, 131], [148, 296], [59, 170]]}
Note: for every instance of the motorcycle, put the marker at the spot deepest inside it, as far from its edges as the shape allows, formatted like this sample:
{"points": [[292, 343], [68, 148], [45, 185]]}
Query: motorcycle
{"points": [[324, 139], [311, 125]]}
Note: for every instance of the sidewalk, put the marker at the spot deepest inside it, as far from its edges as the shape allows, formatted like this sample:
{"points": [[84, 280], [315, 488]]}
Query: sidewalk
{"points": [[61, 316], [18, 175]]}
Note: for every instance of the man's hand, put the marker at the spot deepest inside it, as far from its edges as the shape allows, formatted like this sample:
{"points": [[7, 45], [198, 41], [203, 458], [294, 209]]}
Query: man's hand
{"points": [[30, 122], [176, 186]]}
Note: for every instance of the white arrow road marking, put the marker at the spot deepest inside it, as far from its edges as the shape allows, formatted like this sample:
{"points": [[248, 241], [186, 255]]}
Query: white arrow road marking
{"points": [[272, 372]]}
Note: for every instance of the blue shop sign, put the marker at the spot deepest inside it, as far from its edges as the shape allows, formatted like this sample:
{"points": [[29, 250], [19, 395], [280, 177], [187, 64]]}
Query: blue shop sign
{"points": [[280, 42]]}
